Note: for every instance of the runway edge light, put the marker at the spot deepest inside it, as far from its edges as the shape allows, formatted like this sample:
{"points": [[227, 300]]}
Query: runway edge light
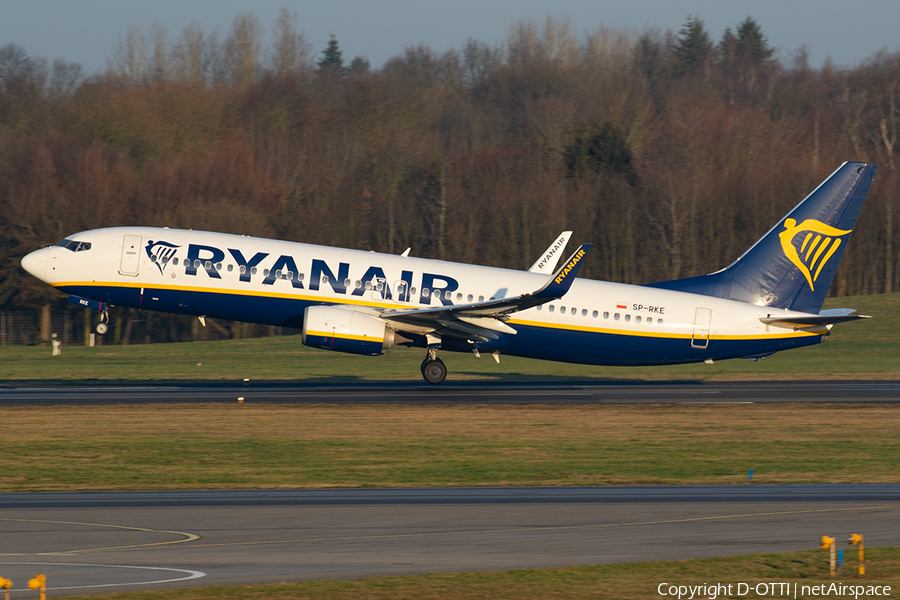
{"points": [[39, 582], [853, 540], [6, 584]]}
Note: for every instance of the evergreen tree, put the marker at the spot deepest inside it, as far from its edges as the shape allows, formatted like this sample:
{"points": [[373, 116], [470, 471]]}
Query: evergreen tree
{"points": [[693, 46], [359, 65], [332, 59], [752, 44], [649, 58]]}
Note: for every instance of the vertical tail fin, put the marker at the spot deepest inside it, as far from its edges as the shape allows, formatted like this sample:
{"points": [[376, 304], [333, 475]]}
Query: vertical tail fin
{"points": [[793, 265]]}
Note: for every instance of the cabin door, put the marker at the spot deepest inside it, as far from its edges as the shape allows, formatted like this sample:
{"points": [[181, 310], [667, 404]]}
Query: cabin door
{"points": [[700, 337], [131, 255]]}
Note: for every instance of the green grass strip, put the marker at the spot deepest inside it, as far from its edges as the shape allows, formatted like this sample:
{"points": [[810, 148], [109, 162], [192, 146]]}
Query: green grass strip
{"points": [[628, 581]]}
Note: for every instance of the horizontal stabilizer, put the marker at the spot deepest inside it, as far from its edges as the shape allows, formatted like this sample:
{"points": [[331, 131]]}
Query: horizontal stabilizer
{"points": [[826, 317]]}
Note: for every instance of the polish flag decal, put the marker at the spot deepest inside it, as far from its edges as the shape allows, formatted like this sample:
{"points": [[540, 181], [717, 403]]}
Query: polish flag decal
{"points": [[620, 306]]}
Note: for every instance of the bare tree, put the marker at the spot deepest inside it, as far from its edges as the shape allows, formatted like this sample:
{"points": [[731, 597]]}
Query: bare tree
{"points": [[242, 51], [188, 60], [291, 52]]}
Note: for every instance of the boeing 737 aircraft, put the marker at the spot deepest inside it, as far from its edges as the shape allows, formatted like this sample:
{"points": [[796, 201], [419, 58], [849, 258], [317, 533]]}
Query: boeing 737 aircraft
{"points": [[768, 300]]}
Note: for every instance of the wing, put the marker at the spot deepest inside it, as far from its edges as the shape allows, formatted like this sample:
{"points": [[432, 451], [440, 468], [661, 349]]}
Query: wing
{"points": [[481, 321]]}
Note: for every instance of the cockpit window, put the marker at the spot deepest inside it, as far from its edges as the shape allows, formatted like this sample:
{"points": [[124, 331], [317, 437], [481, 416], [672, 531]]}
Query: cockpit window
{"points": [[74, 245]]}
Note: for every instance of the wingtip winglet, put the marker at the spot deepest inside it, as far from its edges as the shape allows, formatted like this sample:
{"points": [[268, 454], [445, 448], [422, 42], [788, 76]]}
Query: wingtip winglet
{"points": [[562, 280]]}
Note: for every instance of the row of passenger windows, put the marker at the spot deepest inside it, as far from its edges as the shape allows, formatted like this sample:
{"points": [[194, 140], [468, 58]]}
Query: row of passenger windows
{"points": [[379, 286], [595, 314]]}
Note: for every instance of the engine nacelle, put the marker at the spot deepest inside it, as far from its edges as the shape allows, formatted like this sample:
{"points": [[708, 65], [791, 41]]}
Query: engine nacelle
{"points": [[345, 330]]}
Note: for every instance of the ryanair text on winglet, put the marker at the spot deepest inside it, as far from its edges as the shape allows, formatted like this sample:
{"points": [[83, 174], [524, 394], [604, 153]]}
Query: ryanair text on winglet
{"points": [[569, 266]]}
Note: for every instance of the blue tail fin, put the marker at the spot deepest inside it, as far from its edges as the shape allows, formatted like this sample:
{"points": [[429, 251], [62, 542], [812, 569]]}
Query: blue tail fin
{"points": [[792, 266]]}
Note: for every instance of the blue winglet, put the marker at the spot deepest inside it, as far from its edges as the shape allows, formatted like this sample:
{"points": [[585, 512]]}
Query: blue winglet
{"points": [[562, 280]]}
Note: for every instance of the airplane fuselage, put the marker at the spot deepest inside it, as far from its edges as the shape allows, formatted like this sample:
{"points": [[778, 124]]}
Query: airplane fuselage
{"points": [[273, 282]]}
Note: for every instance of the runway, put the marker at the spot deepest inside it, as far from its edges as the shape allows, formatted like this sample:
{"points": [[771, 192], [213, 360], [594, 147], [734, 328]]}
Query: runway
{"points": [[103, 542], [886, 392]]}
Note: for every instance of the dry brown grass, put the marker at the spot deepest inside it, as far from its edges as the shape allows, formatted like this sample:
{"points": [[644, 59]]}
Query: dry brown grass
{"points": [[221, 446]]}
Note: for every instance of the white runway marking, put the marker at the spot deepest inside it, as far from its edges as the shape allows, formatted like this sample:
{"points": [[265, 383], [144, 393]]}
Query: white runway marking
{"points": [[190, 575]]}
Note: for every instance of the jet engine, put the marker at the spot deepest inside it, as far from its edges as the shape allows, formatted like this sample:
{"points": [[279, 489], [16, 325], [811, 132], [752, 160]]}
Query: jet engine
{"points": [[345, 330]]}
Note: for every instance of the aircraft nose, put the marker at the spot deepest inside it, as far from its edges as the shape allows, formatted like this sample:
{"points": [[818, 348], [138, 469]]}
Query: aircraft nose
{"points": [[36, 263]]}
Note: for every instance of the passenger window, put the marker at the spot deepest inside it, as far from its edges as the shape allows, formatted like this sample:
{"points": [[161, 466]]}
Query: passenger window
{"points": [[299, 276], [218, 266], [458, 297], [447, 295], [551, 308], [426, 292], [606, 314], [539, 306], [574, 310], [175, 261], [266, 274], [230, 268], [583, 312], [207, 265], [368, 285], [347, 283], [252, 270], [616, 317], [196, 263], [481, 298], [324, 278], [290, 274], [562, 310], [627, 318], [358, 284], [379, 286], [412, 291], [659, 321], [637, 319], [278, 274], [594, 314], [470, 297]]}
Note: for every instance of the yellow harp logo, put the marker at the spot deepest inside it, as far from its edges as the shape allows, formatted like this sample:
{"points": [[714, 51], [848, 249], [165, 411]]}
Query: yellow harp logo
{"points": [[820, 242]]}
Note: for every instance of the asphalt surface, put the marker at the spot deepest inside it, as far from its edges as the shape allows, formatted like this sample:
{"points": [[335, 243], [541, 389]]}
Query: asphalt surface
{"points": [[104, 542], [887, 392]]}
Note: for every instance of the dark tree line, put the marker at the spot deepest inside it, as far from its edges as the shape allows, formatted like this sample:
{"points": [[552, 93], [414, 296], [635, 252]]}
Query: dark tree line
{"points": [[671, 151]]}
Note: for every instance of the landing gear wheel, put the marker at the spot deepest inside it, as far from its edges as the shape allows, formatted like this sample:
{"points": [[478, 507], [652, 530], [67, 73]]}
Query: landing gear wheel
{"points": [[102, 328], [434, 371]]}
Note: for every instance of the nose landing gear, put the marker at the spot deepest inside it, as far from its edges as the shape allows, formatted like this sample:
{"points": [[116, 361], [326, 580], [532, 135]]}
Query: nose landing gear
{"points": [[102, 326]]}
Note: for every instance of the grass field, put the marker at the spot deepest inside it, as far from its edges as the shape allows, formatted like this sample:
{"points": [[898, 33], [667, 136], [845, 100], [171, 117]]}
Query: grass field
{"points": [[860, 350], [274, 446], [629, 581]]}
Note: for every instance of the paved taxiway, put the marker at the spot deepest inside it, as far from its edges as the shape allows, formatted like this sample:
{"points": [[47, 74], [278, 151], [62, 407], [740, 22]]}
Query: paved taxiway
{"points": [[141, 540], [886, 392]]}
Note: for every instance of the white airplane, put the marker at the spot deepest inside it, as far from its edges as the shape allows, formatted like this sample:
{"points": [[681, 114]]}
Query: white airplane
{"points": [[361, 302]]}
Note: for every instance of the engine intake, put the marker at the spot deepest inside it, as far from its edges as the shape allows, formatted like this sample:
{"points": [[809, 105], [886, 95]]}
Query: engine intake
{"points": [[345, 330]]}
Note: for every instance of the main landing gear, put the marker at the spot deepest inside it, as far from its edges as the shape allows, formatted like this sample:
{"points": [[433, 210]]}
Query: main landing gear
{"points": [[433, 369], [102, 326]]}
